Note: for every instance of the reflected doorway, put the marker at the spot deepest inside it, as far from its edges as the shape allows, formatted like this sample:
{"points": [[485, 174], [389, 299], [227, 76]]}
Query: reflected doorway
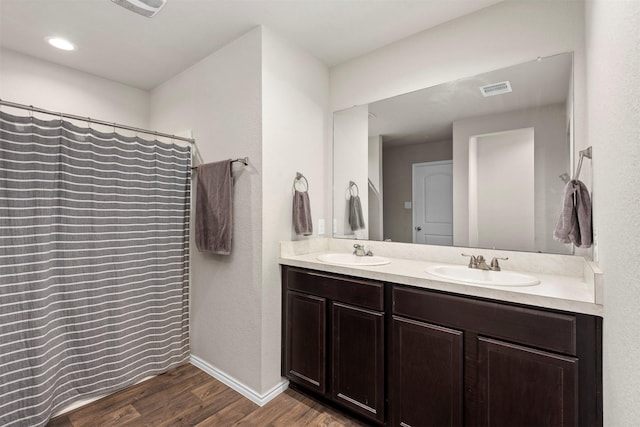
{"points": [[432, 194]]}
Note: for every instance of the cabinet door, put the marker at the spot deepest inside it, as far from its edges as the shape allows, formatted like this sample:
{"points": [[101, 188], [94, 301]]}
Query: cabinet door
{"points": [[358, 360], [427, 374], [526, 387], [305, 340]]}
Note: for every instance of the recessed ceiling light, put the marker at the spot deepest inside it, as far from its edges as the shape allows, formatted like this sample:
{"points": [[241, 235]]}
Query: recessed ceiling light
{"points": [[60, 43]]}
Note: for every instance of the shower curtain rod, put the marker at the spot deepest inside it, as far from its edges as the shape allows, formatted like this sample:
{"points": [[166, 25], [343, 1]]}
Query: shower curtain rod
{"points": [[99, 122]]}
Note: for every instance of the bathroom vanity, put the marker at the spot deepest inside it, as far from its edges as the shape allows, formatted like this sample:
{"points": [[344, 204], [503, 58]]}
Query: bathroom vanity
{"points": [[419, 354]]}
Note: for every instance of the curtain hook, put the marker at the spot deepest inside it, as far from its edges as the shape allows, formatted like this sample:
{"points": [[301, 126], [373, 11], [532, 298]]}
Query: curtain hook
{"points": [[114, 127], [31, 112], [89, 123]]}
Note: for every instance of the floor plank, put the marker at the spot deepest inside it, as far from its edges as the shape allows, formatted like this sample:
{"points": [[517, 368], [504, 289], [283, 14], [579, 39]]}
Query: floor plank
{"points": [[195, 414], [84, 416], [229, 415], [266, 415], [187, 396]]}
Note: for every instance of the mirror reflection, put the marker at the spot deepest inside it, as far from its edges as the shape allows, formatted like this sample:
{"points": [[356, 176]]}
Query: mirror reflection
{"points": [[477, 162]]}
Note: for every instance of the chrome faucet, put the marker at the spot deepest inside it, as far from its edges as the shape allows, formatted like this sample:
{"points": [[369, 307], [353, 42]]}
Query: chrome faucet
{"points": [[481, 264], [359, 251], [473, 261], [495, 266]]}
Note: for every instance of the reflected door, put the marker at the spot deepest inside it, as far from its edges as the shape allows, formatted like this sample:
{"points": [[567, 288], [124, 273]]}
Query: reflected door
{"points": [[433, 203]]}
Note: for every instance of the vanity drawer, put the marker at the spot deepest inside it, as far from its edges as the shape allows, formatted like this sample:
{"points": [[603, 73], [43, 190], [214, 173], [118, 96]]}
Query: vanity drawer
{"points": [[363, 293], [537, 328]]}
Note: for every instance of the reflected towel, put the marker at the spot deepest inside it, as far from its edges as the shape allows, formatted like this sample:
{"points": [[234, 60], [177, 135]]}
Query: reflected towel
{"points": [[302, 213], [356, 220], [574, 224], [214, 208]]}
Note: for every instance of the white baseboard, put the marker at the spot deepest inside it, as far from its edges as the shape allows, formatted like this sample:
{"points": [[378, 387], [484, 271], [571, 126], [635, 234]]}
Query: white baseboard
{"points": [[258, 399]]}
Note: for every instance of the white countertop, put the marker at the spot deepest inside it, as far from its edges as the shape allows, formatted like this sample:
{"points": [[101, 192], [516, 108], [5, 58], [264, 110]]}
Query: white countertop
{"points": [[569, 293]]}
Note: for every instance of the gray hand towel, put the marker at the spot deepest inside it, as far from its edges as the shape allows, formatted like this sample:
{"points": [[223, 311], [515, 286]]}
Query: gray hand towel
{"points": [[214, 208], [356, 220], [574, 224], [302, 222]]}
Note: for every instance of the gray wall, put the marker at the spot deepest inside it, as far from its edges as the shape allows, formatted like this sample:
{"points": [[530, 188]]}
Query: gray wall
{"points": [[396, 175]]}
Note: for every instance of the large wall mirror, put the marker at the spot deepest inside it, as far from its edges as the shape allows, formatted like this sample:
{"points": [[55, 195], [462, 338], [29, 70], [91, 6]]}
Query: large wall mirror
{"points": [[477, 162]]}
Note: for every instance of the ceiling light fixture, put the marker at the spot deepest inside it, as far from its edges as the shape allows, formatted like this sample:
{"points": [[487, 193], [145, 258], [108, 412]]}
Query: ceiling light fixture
{"points": [[61, 43]]}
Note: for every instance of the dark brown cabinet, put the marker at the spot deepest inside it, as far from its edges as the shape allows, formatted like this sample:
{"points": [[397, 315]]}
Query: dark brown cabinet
{"points": [[404, 356], [427, 370], [305, 361], [526, 387], [522, 366], [357, 363], [335, 339]]}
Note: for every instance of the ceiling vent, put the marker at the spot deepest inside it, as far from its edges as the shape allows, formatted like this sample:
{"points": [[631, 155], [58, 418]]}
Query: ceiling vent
{"points": [[496, 88], [147, 8]]}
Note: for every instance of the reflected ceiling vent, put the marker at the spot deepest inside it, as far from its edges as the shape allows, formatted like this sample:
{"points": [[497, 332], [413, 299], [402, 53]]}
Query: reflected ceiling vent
{"points": [[496, 88], [147, 8]]}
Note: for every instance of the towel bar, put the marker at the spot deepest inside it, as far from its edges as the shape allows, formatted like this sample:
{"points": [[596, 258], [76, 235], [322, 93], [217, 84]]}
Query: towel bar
{"points": [[243, 160], [587, 152]]}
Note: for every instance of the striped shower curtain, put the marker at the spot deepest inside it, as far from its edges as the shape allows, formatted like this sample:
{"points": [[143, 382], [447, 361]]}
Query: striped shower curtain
{"points": [[94, 258]]}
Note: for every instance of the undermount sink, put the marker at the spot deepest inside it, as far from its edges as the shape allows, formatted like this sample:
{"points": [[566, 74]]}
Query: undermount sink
{"points": [[465, 274], [353, 260]]}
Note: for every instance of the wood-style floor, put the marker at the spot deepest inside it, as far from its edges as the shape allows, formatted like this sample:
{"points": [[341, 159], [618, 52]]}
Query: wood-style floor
{"points": [[187, 396]]}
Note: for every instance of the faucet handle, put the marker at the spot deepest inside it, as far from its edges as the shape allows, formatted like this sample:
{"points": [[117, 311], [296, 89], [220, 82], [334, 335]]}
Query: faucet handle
{"points": [[473, 262], [495, 266]]}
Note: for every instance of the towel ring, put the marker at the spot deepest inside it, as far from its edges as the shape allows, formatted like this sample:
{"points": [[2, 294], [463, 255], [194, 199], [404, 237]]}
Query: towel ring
{"points": [[351, 185], [299, 177]]}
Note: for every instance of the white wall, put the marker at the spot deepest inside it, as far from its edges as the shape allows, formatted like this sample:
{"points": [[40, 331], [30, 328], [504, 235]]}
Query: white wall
{"points": [[31, 81], [295, 124], [504, 182], [502, 35], [258, 97], [375, 211], [550, 160], [375, 161], [613, 65], [220, 100], [350, 163]]}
